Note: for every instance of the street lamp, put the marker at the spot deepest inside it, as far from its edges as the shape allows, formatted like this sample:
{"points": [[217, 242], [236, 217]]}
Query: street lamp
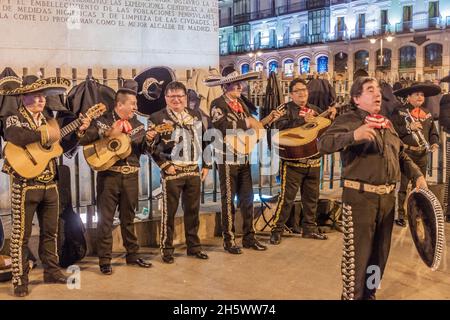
{"points": [[386, 37], [256, 55]]}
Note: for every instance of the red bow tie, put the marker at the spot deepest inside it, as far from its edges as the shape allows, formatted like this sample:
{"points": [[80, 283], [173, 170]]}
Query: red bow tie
{"points": [[124, 125], [304, 111], [377, 121], [236, 106], [419, 114]]}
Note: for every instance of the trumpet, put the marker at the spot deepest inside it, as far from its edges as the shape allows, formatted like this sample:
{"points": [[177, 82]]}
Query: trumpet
{"points": [[417, 134]]}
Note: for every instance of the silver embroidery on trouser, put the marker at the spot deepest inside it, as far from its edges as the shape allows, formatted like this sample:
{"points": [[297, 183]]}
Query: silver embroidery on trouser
{"points": [[18, 193], [447, 172], [163, 232], [229, 202], [348, 256]]}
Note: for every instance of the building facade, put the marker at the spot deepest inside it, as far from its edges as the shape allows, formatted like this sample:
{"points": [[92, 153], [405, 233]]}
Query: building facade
{"points": [[389, 39]]}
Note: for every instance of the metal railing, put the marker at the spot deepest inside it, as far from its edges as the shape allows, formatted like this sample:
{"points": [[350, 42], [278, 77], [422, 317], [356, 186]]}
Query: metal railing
{"points": [[83, 188], [292, 8]]}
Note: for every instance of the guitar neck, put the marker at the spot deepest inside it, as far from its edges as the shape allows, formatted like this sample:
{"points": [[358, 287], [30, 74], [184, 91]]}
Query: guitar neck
{"points": [[266, 121], [71, 127]]}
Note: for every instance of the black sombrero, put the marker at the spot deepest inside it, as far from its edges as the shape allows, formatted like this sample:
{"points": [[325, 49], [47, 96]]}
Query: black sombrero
{"points": [[427, 89], [230, 75], [32, 84]]}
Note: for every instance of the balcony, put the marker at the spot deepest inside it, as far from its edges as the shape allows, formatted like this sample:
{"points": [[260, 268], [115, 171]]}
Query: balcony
{"points": [[291, 8], [420, 24], [225, 22], [317, 4], [255, 15], [334, 2], [293, 41]]}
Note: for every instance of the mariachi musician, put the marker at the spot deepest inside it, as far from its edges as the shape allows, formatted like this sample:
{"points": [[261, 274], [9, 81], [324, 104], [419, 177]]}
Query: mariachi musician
{"points": [[415, 127], [298, 173], [39, 194], [117, 187], [444, 121], [372, 157], [230, 113], [177, 153]]}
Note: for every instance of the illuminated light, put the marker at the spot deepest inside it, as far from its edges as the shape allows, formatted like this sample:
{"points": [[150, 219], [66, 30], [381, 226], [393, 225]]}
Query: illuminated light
{"points": [[372, 41], [389, 38]]}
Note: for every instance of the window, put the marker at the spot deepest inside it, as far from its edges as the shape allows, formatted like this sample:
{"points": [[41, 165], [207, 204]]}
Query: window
{"points": [[259, 66], [407, 57], [272, 38], [273, 66], [361, 25], [322, 64], [289, 68], [319, 25], [340, 28], [384, 62], [384, 18], [433, 55], [433, 9], [241, 7], [433, 13], [257, 41], [407, 18], [361, 60], [340, 62], [286, 35], [245, 68], [242, 37], [305, 65]]}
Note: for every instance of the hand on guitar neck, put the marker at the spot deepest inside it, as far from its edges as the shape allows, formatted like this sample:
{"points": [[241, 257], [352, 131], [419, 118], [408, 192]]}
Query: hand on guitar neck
{"points": [[274, 115]]}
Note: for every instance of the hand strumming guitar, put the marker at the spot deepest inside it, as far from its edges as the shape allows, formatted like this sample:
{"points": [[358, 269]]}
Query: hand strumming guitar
{"points": [[150, 135]]}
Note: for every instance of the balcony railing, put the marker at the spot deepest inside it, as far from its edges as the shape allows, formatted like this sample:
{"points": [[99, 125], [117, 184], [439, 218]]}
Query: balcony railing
{"points": [[317, 4], [420, 24], [293, 41], [225, 22], [402, 27], [255, 15], [291, 8], [334, 2]]}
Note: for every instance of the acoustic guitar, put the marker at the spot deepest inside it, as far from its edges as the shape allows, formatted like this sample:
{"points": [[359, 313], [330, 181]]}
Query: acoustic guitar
{"points": [[30, 161], [102, 154], [301, 142], [243, 143]]}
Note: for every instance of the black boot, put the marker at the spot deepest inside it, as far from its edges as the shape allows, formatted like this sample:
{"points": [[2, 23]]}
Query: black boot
{"points": [[21, 290]]}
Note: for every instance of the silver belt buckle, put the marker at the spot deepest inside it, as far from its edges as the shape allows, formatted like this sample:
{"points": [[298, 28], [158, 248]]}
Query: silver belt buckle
{"points": [[381, 189], [125, 169]]}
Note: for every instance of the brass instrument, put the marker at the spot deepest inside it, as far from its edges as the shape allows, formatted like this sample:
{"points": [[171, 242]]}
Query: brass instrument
{"points": [[417, 134]]}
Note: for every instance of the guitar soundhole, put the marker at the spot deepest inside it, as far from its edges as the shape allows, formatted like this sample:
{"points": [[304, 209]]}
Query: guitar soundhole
{"points": [[114, 145], [310, 125]]}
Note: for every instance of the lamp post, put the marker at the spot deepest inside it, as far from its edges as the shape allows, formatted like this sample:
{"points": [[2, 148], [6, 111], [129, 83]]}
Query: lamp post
{"points": [[255, 55], [386, 37]]}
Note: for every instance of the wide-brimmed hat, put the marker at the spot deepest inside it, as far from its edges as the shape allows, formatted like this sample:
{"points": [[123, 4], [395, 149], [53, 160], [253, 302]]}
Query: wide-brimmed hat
{"points": [[360, 73], [427, 89], [230, 75], [9, 79], [445, 79], [129, 86], [32, 84]]}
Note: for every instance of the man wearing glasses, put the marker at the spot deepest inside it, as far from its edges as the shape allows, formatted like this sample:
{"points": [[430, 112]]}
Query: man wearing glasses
{"points": [[177, 154], [303, 174]]}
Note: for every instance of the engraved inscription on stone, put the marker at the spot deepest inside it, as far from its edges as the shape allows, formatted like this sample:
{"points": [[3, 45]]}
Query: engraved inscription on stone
{"points": [[189, 15]]}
